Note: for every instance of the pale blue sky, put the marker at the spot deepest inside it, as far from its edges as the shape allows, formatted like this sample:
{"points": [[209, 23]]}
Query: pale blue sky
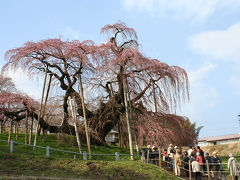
{"points": [[202, 36]]}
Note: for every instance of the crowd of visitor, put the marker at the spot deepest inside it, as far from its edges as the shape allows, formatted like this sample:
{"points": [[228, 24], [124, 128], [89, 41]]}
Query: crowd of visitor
{"points": [[201, 163]]}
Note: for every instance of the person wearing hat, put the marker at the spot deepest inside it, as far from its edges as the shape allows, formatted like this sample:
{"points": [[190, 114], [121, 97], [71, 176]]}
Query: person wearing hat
{"points": [[216, 165], [233, 166]]}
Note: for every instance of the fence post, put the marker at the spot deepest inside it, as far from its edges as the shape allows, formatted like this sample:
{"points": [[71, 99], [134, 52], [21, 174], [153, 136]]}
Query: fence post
{"points": [[208, 171], [231, 168], [190, 170], [173, 165], [74, 157], [84, 156], [160, 162], [11, 146], [147, 156], [143, 157], [47, 151], [117, 156]]}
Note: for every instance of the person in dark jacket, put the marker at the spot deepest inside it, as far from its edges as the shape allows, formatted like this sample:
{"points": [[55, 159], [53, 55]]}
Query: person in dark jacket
{"points": [[215, 160], [208, 158], [186, 164], [155, 155]]}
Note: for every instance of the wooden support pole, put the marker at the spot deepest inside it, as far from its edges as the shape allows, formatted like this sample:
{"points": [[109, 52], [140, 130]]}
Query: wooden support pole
{"points": [[16, 129], [40, 110], [1, 126], [127, 117], [231, 168], [132, 117], [208, 170], [173, 161], [190, 170], [160, 159], [26, 127], [46, 98], [10, 132], [84, 115], [147, 156], [75, 122], [143, 157], [154, 97], [31, 130]]}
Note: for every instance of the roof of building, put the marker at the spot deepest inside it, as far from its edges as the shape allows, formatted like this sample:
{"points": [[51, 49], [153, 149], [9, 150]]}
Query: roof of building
{"points": [[218, 138]]}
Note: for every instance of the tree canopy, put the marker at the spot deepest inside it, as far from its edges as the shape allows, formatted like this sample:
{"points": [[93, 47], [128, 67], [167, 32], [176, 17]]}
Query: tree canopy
{"points": [[150, 82]]}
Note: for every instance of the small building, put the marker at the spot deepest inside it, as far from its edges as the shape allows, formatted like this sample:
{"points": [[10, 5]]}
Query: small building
{"points": [[112, 137], [223, 139]]}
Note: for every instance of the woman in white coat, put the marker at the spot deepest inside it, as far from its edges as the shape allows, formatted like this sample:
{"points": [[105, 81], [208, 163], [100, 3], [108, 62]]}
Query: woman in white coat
{"points": [[233, 166]]}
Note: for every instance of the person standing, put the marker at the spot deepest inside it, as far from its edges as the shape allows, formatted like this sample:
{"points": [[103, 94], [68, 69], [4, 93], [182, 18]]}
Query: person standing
{"points": [[177, 162], [189, 151], [170, 155], [208, 159], [165, 157], [216, 165], [196, 169], [186, 164], [201, 153], [155, 155], [233, 166], [200, 160]]}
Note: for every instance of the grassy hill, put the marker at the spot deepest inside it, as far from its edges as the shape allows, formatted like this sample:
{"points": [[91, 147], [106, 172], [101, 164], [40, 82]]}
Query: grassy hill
{"points": [[29, 164]]}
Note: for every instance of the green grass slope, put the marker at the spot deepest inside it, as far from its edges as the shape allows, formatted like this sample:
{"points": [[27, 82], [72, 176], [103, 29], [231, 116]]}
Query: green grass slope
{"points": [[24, 162]]}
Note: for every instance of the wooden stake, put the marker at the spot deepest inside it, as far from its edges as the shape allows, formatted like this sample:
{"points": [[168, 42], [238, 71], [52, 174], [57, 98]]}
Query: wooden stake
{"points": [[208, 171], [75, 123], [10, 132], [127, 118], [154, 97], [16, 130], [231, 164], [40, 110], [1, 126], [31, 130], [84, 115], [173, 165], [46, 98], [26, 128], [131, 118], [190, 170], [160, 160]]}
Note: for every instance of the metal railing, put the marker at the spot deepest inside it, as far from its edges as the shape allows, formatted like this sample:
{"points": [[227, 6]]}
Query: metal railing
{"points": [[84, 156]]}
